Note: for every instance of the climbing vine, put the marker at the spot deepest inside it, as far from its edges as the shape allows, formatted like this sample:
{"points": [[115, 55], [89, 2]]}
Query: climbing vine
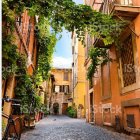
{"points": [[59, 14], [9, 57], [46, 42], [25, 89], [65, 13], [97, 57]]}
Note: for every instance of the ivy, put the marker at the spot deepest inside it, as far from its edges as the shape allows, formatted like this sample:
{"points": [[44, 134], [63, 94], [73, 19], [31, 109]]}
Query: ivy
{"points": [[59, 14], [46, 42], [97, 57], [65, 13], [25, 89], [9, 57]]}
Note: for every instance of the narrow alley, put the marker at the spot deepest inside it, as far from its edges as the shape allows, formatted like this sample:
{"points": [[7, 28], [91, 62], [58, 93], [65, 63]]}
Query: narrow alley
{"points": [[70, 70], [65, 128]]}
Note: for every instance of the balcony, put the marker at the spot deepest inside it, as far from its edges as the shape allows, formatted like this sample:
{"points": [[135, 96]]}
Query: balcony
{"points": [[122, 9], [127, 9]]}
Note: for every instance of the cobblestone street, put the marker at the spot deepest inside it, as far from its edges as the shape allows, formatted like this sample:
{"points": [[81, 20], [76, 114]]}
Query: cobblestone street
{"points": [[65, 128]]}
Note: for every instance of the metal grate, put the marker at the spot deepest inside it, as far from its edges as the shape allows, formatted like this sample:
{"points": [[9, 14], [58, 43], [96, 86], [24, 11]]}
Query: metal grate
{"points": [[130, 120], [127, 57]]}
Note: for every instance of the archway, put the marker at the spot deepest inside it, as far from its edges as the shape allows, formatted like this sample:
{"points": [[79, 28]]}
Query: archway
{"points": [[56, 108]]}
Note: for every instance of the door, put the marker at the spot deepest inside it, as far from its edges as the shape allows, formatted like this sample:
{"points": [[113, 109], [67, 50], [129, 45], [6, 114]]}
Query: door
{"points": [[91, 108], [64, 107]]}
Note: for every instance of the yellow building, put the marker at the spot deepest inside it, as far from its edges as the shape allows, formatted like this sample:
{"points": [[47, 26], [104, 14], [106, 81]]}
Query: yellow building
{"points": [[48, 88], [78, 76], [61, 92]]}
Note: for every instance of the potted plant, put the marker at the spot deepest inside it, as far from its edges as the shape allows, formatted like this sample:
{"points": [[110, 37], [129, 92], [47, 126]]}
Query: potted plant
{"points": [[29, 120], [71, 112]]}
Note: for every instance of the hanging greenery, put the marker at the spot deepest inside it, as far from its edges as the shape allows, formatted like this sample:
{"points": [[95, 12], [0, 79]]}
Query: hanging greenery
{"points": [[25, 89], [59, 14], [9, 56], [65, 13], [97, 57], [46, 42]]}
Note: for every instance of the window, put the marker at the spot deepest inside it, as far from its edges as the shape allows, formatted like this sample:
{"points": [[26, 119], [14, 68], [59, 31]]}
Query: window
{"points": [[106, 114], [106, 88], [74, 40], [19, 20], [53, 88], [72, 49], [56, 88], [19, 23], [127, 60], [126, 2], [66, 88], [61, 88], [66, 76]]}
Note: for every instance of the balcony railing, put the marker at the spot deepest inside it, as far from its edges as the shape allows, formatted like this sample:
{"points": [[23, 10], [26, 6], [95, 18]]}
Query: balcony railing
{"points": [[106, 6]]}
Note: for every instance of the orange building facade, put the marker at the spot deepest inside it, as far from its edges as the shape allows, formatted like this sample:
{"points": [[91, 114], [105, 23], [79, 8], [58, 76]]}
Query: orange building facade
{"points": [[114, 98], [25, 39]]}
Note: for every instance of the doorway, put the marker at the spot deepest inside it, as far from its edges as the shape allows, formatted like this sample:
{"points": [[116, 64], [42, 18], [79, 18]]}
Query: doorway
{"points": [[56, 108], [64, 107], [91, 108]]}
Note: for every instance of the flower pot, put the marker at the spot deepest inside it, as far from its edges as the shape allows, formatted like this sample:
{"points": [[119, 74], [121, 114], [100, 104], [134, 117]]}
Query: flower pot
{"points": [[30, 121]]}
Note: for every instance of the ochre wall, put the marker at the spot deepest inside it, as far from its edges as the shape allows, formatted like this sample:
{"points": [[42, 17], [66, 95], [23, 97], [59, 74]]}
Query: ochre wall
{"points": [[80, 85], [60, 97], [20, 35], [116, 92]]}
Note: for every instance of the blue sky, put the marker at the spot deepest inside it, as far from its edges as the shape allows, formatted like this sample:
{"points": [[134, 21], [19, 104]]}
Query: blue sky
{"points": [[62, 57]]}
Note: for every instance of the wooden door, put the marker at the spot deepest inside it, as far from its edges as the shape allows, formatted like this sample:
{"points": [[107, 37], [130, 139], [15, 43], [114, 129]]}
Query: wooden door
{"points": [[64, 107]]}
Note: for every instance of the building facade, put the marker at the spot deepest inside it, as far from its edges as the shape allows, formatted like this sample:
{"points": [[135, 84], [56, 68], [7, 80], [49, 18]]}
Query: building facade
{"points": [[61, 93], [26, 41], [115, 94], [48, 89], [78, 76]]}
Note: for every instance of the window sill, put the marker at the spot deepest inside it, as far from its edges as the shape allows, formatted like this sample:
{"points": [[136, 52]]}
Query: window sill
{"points": [[132, 87], [106, 97]]}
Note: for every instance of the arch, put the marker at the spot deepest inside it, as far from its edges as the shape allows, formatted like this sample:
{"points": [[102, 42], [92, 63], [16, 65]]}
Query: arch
{"points": [[56, 108]]}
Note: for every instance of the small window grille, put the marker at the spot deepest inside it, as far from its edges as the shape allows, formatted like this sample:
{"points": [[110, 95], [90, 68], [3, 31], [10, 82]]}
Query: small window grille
{"points": [[127, 58]]}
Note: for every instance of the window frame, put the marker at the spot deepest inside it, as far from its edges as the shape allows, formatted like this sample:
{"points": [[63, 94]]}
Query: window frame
{"points": [[104, 97], [107, 106], [67, 77], [127, 89]]}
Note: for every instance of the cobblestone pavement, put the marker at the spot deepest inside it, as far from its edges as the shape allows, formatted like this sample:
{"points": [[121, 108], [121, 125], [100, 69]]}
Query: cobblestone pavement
{"points": [[65, 128]]}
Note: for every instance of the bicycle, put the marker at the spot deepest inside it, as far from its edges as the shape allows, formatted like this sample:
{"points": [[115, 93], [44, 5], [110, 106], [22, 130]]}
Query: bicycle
{"points": [[13, 128]]}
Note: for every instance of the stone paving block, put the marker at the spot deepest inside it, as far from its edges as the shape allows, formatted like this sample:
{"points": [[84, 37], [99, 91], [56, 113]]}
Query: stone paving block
{"points": [[65, 128]]}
